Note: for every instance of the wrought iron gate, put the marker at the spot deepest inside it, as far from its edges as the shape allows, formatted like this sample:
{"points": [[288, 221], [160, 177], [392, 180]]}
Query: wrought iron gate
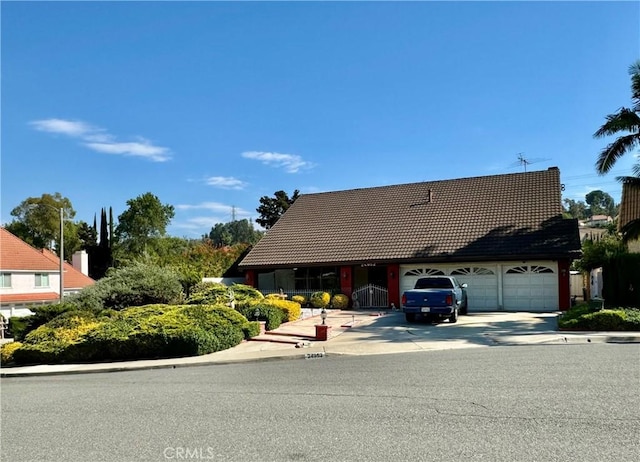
{"points": [[370, 296]]}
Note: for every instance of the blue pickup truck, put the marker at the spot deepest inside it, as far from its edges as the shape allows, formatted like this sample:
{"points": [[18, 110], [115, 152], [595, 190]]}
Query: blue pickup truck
{"points": [[435, 298]]}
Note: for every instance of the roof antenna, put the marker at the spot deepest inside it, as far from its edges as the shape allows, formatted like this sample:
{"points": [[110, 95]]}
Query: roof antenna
{"points": [[523, 161]]}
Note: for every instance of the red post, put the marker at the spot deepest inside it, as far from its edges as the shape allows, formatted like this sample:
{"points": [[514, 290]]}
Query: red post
{"points": [[564, 287], [322, 332], [393, 284]]}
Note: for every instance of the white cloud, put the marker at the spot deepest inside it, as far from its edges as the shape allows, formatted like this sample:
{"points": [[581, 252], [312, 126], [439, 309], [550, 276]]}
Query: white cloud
{"points": [[98, 139], [139, 149], [225, 182], [291, 163], [65, 127]]}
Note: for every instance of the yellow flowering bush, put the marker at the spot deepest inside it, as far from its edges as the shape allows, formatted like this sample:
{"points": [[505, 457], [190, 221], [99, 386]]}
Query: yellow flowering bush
{"points": [[6, 352], [320, 299], [301, 299], [340, 301]]}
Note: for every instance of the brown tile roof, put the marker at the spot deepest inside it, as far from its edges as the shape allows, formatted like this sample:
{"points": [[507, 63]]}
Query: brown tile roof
{"points": [[469, 219], [17, 255], [630, 202]]}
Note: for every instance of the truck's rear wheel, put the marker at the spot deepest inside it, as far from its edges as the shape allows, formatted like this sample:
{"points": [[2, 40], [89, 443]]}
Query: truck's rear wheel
{"points": [[410, 317], [454, 316]]}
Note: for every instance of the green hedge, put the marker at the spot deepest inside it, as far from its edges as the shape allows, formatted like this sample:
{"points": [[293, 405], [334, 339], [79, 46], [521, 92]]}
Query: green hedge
{"points": [[272, 315], [621, 280], [585, 317], [153, 331]]}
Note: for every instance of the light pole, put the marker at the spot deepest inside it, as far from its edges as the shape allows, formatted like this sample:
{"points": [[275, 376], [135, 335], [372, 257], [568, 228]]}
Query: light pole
{"points": [[61, 254]]}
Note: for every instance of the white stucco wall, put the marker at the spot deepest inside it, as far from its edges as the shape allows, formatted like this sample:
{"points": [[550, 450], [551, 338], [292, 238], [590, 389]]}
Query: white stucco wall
{"points": [[25, 283]]}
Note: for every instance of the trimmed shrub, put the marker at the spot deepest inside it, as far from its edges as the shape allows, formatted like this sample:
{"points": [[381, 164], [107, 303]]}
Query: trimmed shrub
{"points": [[292, 310], [340, 301], [272, 315], [301, 299], [20, 327], [243, 292], [54, 341], [584, 317], [152, 331], [251, 329], [209, 293], [6, 352], [320, 299]]}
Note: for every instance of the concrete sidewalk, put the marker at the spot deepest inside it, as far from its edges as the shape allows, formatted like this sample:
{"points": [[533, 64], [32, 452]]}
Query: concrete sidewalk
{"points": [[363, 333]]}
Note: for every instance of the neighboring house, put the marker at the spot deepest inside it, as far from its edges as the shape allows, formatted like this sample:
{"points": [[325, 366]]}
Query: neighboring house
{"points": [[503, 235], [630, 208], [32, 277], [599, 220]]}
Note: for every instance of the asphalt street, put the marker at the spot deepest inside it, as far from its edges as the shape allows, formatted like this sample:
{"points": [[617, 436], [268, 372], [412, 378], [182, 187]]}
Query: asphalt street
{"points": [[518, 403]]}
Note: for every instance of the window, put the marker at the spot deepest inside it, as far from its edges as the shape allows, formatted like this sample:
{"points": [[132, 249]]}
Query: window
{"points": [[5, 280], [42, 280]]}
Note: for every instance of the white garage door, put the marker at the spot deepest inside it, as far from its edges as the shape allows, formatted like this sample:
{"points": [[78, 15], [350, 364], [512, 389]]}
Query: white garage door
{"points": [[482, 281], [530, 287]]}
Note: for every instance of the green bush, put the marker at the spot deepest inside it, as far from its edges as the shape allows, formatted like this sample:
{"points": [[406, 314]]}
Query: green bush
{"points": [[153, 331], [272, 315], [340, 301], [292, 310], [209, 293], [42, 314], [320, 299], [585, 317], [251, 329], [136, 285]]}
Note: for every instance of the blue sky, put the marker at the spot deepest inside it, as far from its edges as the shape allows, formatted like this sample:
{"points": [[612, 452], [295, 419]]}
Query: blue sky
{"points": [[212, 105]]}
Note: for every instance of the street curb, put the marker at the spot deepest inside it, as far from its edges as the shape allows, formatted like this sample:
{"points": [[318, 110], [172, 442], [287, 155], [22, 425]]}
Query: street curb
{"points": [[154, 367]]}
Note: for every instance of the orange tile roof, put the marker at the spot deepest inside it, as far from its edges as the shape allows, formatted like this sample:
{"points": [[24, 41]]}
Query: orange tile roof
{"points": [[33, 297], [17, 255], [73, 279]]}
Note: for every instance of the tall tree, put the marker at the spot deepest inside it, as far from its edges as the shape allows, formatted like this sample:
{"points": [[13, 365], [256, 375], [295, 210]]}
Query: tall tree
{"points": [[575, 209], [626, 121], [272, 208], [601, 203], [145, 219], [234, 232], [37, 222]]}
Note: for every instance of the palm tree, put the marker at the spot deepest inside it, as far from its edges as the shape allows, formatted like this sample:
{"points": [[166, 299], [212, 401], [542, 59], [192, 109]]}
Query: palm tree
{"points": [[625, 120]]}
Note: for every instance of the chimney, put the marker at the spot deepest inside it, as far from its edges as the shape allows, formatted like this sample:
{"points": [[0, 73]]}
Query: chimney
{"points": [[81, 262]]}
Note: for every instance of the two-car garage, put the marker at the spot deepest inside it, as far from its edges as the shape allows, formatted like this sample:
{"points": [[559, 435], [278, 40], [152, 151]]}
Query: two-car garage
{"points": [[509, 286]]}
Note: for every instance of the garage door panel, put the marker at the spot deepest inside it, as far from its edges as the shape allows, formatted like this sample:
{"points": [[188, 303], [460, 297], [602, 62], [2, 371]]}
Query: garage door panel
{"points": [[481, 280], [531, 287]]}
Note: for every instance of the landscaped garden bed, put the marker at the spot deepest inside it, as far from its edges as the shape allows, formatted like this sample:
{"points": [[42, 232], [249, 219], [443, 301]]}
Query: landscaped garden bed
{"points": [[592, 317]]}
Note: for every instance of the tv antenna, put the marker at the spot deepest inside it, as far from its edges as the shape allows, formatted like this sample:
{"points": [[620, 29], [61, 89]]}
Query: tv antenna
{"points": [[523, 161]]}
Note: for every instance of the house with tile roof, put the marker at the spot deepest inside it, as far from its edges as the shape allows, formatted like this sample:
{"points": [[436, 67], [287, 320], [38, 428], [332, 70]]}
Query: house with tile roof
{"points": [[630, 208], [32, 277], [503, 235]]}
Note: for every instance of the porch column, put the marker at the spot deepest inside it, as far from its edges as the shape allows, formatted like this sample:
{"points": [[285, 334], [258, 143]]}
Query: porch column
{"points": [[346, 280], [393, 284], [564, 285], [250, 278]]}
